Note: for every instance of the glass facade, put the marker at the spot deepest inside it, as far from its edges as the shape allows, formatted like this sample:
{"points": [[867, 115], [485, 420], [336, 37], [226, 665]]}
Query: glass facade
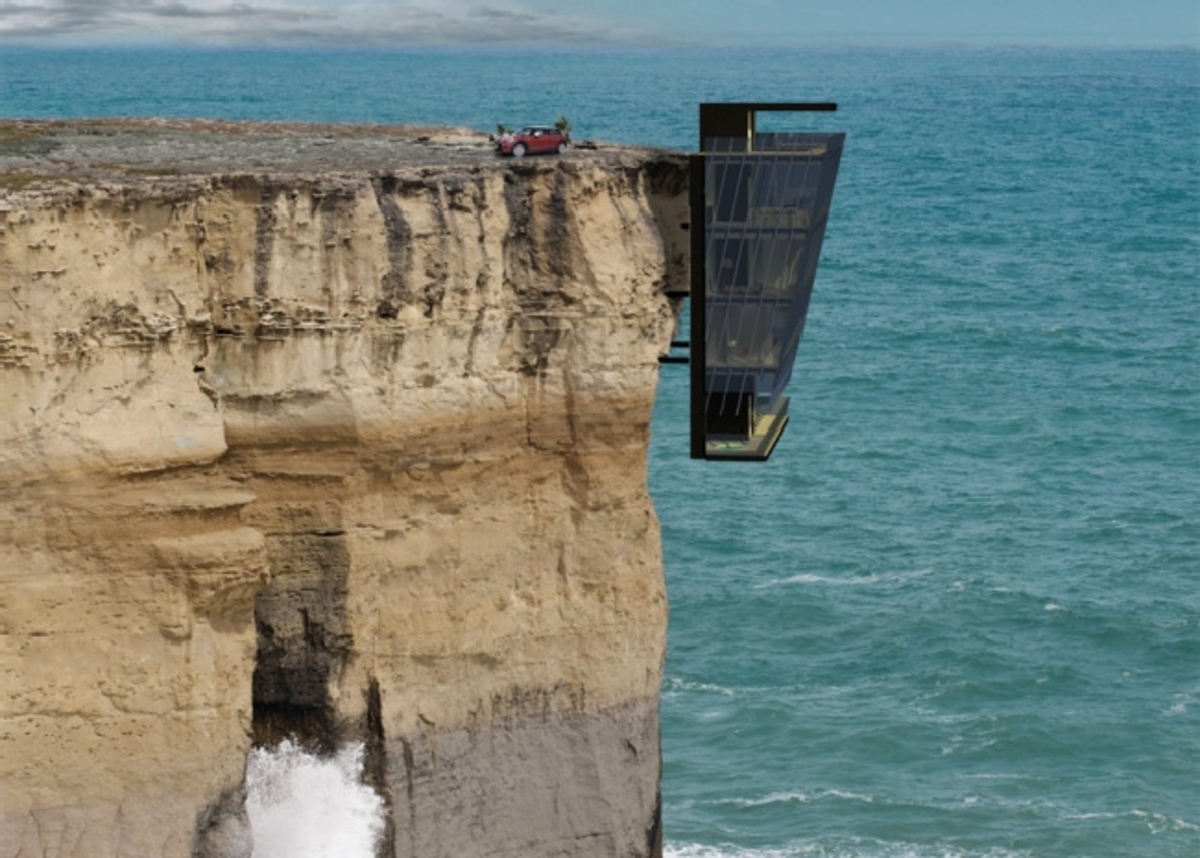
{"points": [[764, 204]]}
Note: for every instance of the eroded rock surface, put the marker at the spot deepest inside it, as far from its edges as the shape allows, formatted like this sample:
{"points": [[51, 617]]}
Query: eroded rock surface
{"points": [[343, 455]]}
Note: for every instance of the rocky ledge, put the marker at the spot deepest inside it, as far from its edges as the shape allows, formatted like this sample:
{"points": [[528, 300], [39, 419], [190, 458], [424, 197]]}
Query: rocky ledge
{"points": [[338, 433]]}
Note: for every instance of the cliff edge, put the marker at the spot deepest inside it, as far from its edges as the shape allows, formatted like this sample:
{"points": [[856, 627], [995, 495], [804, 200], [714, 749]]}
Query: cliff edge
{"points": [[337, 433]]}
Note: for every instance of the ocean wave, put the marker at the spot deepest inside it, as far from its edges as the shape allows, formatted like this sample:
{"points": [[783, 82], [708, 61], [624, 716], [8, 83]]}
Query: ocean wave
{"points": [[1159, 823], [1181, 704], [850, 849], [674, 684], [795, 796], [836, 581], [690, 850], [964, 744], [808, 578]]}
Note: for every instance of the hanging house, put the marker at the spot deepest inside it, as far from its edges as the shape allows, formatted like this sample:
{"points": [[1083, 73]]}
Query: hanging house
{"points": [[759, 205]]}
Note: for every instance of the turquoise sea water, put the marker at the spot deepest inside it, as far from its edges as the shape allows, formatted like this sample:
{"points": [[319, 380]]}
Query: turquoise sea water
{"points": [[958, 613]]}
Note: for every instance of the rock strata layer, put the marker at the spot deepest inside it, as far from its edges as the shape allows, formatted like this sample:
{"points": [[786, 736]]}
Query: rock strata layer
{"points": [[348, 456]]}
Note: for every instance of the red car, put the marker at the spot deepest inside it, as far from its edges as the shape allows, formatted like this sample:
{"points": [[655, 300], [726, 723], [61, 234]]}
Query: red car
{"points": [[532, 140]]}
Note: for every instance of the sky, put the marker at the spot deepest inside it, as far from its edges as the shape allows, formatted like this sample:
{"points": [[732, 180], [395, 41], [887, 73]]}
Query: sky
{"points": [[601, 22]]}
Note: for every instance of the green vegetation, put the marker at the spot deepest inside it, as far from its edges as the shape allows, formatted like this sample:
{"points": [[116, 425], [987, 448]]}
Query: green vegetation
{"points": [[563, 124], [17, 132], [18, 181], [135, 170]]}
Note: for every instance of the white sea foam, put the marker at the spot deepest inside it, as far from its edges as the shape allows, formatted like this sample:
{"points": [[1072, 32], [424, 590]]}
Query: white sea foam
{"points": [[691, 850], [674, 684], [1160, 822], [1182, 702], [303, 806], [851, 581], [809, 578], [797, 797]]}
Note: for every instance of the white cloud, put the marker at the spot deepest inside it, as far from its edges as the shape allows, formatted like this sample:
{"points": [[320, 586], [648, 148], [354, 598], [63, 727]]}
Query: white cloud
{"points": [[784, 22], [287, 21]]}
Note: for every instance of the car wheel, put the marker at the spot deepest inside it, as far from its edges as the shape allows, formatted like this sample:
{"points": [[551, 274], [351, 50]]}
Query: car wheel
{"points": [[562, 147], [519, 150]]}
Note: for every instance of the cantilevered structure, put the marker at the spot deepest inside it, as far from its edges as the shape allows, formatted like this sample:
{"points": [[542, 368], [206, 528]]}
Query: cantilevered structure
{"points": [[759, 204]]}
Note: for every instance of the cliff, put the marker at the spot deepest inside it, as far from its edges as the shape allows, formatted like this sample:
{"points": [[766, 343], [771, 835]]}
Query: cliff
{"points": [[337, 433]]}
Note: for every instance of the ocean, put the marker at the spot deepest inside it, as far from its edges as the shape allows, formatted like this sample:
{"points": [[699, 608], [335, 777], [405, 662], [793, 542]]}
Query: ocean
{"points": [[957, 614]]}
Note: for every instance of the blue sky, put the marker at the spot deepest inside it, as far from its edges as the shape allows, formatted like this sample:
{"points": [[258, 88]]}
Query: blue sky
{"points": [[598, 22]]}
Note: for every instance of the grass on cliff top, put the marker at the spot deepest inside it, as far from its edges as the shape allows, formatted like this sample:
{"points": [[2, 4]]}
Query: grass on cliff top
{"points": [[19, 132], [135, 170], [19, 181]]}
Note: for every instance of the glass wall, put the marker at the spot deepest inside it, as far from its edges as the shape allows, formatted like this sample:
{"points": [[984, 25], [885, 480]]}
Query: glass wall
{"points": [[766, 201]]}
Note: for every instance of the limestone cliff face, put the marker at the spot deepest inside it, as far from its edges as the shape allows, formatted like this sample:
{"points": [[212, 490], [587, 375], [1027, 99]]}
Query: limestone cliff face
{"points": [[348, 456]]}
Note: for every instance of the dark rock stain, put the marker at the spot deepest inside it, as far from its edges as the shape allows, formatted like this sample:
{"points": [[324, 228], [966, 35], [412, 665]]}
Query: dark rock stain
{"points": [[223, 827], [333, 208], [434, 292], [557, 236], [264, 239], [654, 838], [375, 767], [518, 245], [666, 177], [541, 262], [398, 235], [304, 640], [411, 791]]}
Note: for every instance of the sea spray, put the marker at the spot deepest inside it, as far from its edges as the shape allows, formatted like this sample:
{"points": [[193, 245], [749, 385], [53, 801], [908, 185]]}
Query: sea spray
{"points": [[305, 806]]}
